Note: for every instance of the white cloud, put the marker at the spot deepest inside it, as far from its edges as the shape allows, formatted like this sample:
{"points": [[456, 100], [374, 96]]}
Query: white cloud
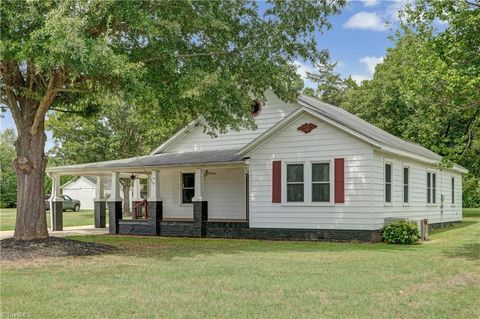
{"points": [[391, 11], [370, 3], [370, 62], [365, 21], [340, 64], [302, 70], [359, 78]]}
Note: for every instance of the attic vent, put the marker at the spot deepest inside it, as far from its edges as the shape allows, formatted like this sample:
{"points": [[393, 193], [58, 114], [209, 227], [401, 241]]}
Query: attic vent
{"points": [[256, 106]]}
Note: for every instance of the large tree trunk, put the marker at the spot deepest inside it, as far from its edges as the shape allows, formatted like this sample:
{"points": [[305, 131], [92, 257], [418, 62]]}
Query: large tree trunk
{"points": [[31, 222], [126, 197]]}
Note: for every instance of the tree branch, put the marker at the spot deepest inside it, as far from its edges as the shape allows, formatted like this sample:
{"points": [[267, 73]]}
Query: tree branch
{"points": [[475, 4], [74, 90], [10, 80], [187, 55], [56, 79]]}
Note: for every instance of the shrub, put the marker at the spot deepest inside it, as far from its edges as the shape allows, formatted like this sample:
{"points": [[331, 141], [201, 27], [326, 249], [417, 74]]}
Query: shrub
{"points": [[401, 232]]}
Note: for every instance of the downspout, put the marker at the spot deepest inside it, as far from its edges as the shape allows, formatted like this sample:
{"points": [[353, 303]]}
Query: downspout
{"points": [[441, 197]]}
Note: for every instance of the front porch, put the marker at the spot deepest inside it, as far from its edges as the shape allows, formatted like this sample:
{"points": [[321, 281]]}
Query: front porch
{"points": [[173, 194]]}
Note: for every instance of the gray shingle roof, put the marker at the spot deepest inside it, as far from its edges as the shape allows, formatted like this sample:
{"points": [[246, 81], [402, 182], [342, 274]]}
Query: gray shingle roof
{"points": [[165, 159], [366, 129]]}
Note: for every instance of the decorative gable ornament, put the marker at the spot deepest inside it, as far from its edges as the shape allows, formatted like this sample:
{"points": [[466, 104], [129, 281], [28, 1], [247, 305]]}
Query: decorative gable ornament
{"points": [[307, 127]]}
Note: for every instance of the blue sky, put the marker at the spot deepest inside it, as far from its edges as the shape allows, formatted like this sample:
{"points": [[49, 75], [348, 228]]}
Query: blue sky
{"points": [[357, 42], [359, 37]]}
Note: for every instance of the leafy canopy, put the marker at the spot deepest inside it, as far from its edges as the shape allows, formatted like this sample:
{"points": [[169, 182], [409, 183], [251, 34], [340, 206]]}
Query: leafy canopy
{"points": [[170, 57], [427, 90]]}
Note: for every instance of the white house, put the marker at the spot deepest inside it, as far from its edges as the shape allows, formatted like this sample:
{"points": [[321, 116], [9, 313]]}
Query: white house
{"points": [[309, 170]]}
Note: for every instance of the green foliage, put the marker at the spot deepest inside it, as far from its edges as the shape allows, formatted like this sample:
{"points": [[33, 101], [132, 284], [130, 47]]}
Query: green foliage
{"points": [[331, 87], [202, 58], [401, 232], [8, 178], [427, 88], [117, 131], [471, 191]]}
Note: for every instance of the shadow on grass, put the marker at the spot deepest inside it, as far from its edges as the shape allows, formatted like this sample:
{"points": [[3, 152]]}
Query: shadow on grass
{"points": [[467, 251], [181, 247], [464, 223]]}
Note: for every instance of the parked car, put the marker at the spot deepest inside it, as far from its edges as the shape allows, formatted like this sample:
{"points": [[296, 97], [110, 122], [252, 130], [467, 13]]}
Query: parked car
{"points": [[68, 203]]}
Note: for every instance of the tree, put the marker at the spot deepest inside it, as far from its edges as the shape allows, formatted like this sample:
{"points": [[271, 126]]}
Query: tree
{"points": [[331, 87], [8, 179], [198, 57], [427, 90]]}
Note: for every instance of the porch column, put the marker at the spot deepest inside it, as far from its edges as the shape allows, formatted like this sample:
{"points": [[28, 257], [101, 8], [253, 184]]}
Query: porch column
{"points": [[154, 203], [56, 205], [114, 204], [136, 198], [200, 204], [99, 204], [136, 190]]}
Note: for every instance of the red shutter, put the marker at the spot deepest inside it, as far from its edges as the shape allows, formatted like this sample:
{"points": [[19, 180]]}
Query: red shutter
{"points": [[276, 181], [339, 180]]}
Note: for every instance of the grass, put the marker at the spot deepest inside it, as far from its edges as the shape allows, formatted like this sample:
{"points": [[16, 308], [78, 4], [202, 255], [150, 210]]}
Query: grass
{"points": [[471, 212], [211, 278], [81, 218]]}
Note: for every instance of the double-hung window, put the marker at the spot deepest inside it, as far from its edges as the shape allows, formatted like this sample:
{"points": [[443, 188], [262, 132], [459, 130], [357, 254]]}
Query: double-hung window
{"points": [[388, 183], [295, 183], [406, 184], [431, 188], [188, 187], [321, 182]]}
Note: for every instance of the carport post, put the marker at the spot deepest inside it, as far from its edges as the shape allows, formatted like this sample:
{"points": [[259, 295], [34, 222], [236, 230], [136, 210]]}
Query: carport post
{"points": [[99, 203], [114, 204], [56, 205], [200, 204], [154, 203]]}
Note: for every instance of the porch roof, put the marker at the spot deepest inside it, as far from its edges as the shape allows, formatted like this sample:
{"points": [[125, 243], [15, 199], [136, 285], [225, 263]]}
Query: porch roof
{"points": [[142, 163]]}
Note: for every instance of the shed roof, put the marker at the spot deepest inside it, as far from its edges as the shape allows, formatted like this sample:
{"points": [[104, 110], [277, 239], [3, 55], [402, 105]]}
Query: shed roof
{"points": [[158, 160]]}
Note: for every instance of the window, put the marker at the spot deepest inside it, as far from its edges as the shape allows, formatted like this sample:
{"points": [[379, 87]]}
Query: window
{"points": [[295, 189], [406, 179], [188, 187], [431, 188], [321, 182], [256, 106], [388, 183], [453, 190]]}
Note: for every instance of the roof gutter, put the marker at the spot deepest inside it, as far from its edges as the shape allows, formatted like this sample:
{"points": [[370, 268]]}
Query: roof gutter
{"points": [[65, 170]]}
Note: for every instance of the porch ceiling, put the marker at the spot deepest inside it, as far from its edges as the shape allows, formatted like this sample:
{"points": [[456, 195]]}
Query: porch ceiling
{"points": [[141, 164]]}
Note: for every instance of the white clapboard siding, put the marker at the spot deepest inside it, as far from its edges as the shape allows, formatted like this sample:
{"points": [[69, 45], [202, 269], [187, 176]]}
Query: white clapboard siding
{"points": [[196, 140], [224, 190], [417, 206], [323, 143]]}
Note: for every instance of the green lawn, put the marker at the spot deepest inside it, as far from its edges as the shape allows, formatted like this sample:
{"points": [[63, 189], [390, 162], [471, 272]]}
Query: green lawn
{"points": [[81, 218], [208, 278]]}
